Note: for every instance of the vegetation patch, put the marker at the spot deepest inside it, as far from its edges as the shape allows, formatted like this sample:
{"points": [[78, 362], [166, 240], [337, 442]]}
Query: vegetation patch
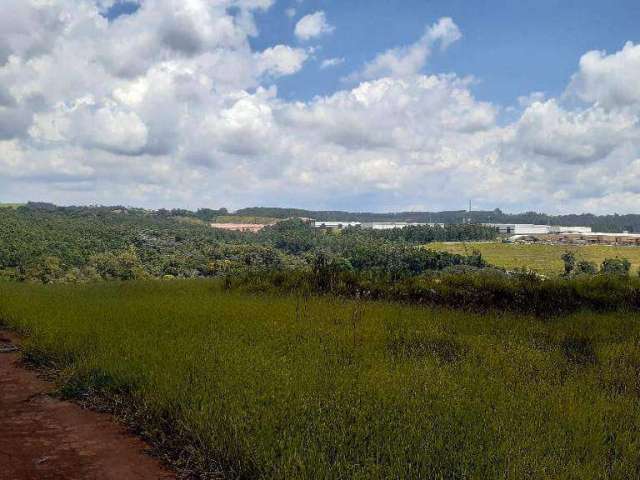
{"points": [[238, 385], [579, 350], [443, 349], [541, 258], [50, 244]]}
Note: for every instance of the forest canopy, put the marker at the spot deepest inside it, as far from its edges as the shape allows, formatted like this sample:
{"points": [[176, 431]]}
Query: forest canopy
{"points": [[44, 242]]}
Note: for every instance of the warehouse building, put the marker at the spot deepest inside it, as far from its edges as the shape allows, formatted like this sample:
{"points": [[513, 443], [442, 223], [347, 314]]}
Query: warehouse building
{"points": [[335, 224], [391, 225], [371, 225], [532, 229]]}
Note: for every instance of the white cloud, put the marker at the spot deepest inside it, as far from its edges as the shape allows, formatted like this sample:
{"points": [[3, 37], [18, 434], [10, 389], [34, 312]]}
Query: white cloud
{"points": [[547, 130], [609, 80], [411, 59], [160, 109], [331, 62], [533, 97], [281, 60], [290, 12], [312, 26], [109, 128]]}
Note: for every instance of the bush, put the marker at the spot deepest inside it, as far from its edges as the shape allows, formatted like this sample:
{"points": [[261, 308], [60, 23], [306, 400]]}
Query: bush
{"points": [[615, 266], [474, 290], [586, 268]]}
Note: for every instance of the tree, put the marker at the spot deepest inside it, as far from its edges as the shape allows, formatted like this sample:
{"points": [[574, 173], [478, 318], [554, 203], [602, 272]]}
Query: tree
{"points": [[124, 265], [569, 260], [46, 270], [328, 268], [292, 236]]}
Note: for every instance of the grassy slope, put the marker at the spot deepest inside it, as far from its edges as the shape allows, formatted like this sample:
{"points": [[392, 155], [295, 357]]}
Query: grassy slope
{"points": [[541, 258], [276, 387]]}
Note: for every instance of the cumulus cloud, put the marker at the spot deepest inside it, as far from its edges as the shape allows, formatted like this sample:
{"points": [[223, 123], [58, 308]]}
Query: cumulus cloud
{"points": [[411, 59], [109, 128], [170, 105], [580, 136], [312, 26], [281, 60], [533, 97], [609, 80]]}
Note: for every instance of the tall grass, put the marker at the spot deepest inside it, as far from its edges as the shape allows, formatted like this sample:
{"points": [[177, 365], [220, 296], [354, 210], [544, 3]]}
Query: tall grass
{"points": [[292, 387]]}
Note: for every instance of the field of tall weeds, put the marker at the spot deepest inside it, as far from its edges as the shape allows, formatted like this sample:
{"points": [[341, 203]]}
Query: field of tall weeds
{"points": [[229, 384]]}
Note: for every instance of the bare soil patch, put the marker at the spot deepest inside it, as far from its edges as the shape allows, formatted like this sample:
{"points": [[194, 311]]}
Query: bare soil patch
{"points": [[44, 438]]}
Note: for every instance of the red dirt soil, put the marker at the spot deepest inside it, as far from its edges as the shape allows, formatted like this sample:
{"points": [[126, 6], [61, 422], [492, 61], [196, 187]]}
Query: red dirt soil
{"points": [[42, 438]]}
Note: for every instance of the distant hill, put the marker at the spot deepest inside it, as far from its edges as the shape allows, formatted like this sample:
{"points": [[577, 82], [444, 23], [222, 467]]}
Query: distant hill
{"points": [[601, 223]]}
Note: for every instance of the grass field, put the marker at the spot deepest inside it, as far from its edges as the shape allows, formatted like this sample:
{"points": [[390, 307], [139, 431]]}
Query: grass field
{"points": [[541, 258], [11, 205], [288, 388]]}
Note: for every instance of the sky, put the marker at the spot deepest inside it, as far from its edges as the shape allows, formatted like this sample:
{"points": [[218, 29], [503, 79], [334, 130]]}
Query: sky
{"points": [[322, 104]]}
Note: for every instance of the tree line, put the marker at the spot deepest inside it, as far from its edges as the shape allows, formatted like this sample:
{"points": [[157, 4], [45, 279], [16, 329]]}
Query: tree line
{"points": [[601, 223], [47, 243]]}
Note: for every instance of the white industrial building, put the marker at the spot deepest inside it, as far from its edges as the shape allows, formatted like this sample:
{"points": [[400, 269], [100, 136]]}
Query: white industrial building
{"points": [[532, 229], [503, 228], [335, 224], [371, 225], [391, 225], [556, 229]]}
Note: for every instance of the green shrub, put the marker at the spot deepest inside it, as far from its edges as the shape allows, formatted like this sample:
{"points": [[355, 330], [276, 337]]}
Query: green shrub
{"points": [[584, 267], [615, 266], [467, 288]]}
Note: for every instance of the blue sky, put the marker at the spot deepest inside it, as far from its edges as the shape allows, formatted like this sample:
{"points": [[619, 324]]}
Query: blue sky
{"points": [[512, 47], [428, 103]]}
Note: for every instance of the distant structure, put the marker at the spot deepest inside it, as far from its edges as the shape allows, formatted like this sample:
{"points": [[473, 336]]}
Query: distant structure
{"points": [[240, 227], [628, 239], [531, 229], [338, 225], [335, 224], [392, 225], [516, 232]]}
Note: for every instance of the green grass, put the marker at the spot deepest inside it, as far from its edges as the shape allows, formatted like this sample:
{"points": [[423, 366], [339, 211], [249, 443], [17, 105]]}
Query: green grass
{"points": [[542, 258], [288, 388], [11, 205]]}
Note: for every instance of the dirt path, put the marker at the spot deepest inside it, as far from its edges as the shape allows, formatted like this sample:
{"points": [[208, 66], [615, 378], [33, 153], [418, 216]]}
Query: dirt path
{"points": [[42, 438]]}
